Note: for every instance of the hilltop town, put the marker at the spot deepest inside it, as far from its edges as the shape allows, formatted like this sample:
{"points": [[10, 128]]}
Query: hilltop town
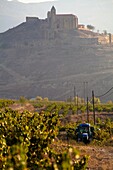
{"points": [[56, 23], [61, 27]]}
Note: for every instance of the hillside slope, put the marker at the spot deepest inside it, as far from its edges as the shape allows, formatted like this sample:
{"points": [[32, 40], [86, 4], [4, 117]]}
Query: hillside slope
{"points": [[32, 66]]}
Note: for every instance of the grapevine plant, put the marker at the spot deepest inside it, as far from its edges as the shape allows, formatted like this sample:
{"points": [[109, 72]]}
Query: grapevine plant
{"points": [[25, 143]]}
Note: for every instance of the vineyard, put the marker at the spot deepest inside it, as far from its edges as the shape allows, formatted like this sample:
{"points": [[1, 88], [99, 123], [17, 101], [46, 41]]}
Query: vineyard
{"points": [[44, 138]]}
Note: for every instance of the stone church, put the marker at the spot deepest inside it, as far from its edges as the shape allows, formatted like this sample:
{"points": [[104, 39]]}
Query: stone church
{"points": [[56, 21], [61, 21]]}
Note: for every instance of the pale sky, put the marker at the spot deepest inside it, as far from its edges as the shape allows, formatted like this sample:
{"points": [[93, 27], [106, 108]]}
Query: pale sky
{"points": [[98, 13], [33, 1]]}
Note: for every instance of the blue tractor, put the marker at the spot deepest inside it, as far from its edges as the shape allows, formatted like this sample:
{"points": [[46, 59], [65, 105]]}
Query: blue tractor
{"points": [[84, 132]]}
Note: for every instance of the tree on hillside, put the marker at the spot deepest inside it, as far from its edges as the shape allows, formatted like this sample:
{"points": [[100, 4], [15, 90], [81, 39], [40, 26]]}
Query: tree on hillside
{"points": [[79, 100], [96, 100], [90, 27]]}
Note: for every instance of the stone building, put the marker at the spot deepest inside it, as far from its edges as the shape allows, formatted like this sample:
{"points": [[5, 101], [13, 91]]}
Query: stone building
{"points": [[56, 21], [61, 21], [61, 25]]}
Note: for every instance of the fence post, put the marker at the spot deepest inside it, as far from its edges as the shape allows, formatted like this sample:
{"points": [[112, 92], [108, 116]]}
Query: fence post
{"points": [[93, 106]]}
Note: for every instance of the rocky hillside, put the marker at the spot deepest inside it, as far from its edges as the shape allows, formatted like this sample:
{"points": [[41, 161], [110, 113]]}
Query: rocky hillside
{"points": [[31, 66]]}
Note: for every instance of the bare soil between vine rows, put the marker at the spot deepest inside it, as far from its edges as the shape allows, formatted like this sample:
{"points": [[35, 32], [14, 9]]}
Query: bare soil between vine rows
{"points": [[100, 158]]}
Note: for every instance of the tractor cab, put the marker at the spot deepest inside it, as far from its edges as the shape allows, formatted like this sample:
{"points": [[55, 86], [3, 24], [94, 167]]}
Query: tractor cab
{"points": [[84, 132]]}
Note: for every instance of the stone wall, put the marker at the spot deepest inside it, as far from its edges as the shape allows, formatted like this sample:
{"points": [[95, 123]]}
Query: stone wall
{"points": [[61, 21], [32, 19], [66, 22]]}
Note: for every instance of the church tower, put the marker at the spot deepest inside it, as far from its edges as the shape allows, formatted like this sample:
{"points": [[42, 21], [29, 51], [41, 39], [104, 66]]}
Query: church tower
{"points": [[53, 11], [53, 17]]}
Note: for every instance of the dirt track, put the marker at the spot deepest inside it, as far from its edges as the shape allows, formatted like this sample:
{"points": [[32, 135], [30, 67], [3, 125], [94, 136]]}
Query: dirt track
{"points": [[101, 158]]}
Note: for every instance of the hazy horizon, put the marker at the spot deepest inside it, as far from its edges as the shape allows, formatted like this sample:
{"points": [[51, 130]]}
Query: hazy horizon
{"points": [[97, 13]]}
